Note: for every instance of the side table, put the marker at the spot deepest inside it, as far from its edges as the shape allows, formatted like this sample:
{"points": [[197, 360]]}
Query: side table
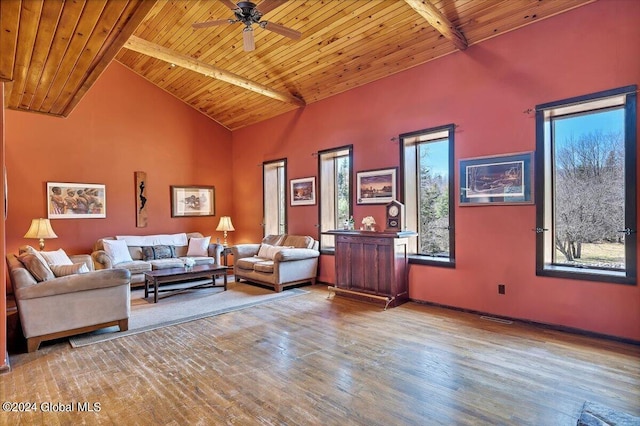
{"points": [[225, 252]]}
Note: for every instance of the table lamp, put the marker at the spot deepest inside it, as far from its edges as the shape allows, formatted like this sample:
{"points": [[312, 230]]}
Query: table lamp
{"points": [[40, 229], [225, 225]]}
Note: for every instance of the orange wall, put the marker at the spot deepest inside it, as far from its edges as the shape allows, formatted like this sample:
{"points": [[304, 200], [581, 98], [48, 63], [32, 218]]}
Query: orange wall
{"points": [[484, 90], [4, 360], [124, 124]]}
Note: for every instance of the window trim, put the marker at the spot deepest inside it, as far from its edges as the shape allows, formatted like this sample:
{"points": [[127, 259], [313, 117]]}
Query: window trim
{"points": [[265, 164], [348, 148], [629, 275], [423, 259]]}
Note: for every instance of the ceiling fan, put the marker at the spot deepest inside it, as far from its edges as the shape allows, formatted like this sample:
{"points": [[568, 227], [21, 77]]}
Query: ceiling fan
{"points": [[248, 14]]}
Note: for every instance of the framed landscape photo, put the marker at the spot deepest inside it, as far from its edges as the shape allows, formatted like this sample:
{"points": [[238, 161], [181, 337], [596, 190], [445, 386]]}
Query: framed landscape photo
{"points": [[376, 186], [76, 200], [192, 200], [505, 179], [303, 191]]}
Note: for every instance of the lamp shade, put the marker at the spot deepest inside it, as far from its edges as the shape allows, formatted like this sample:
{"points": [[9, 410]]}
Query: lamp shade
{"points": [[40, 229], [225, 224]]}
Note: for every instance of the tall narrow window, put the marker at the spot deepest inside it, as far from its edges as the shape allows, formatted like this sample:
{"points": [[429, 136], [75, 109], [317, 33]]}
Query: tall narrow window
{"points": [[274, 195], [335, 191], [427, 168], [586, 187]]}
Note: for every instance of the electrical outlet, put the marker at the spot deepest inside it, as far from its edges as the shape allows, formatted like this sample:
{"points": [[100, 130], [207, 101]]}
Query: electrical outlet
{"points": [[501, 289]]}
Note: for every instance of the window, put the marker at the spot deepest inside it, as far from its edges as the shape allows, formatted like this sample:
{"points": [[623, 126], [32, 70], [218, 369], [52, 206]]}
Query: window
{"points": [[274, 190], [336, 185], [586, 187], [427, 168]]}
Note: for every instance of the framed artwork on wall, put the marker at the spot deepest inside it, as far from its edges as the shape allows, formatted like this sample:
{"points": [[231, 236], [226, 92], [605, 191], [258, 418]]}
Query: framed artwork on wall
{"points": [[376, 186], [76, 200], [303, 191], [504, 179], [192, 200]]}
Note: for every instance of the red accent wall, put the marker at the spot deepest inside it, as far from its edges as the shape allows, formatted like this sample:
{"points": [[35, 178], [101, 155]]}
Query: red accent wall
{"points": [[484, 91], [124, 124]]}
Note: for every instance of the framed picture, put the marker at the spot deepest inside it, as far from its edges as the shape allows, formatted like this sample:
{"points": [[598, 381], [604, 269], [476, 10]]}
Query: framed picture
{"points": [[76, 200], [505, 179], [376, 186], [192, 201], [303, 191]]}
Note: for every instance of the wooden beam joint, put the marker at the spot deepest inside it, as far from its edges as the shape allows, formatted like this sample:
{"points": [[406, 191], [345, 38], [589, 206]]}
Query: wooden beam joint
{"points": [[441, 23]]}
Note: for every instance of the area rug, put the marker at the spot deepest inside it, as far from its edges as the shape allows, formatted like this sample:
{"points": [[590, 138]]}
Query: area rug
{"points": [[183, 307], [594, 414]]}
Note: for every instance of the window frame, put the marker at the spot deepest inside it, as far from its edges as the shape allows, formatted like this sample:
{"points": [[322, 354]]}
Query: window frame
{"points": [[417, 258], [543, 185], [265, 166], [322, 190]]}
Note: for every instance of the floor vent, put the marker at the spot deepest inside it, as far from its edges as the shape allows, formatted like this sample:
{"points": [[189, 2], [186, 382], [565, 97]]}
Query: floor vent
{"points": [[500, 320]]}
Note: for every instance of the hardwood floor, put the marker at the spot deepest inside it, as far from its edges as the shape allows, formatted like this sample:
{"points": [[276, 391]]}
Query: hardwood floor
{"points": [[311, 361]]}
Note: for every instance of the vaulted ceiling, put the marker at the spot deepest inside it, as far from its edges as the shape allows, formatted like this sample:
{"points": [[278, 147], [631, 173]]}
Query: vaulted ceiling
{"points": [[52, 51]]}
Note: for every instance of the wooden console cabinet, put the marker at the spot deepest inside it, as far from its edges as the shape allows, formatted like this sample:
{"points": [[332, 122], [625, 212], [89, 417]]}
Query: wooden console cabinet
{"points": [[373, 264]]}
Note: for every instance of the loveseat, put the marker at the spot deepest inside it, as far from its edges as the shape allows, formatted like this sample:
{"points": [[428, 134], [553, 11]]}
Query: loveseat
{"points": [[278, 261], [141, 253], [57, 305]]}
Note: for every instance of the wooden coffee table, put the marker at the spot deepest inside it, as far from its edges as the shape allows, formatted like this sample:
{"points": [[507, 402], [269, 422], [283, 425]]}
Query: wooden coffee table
{"points": [[171, 275]]}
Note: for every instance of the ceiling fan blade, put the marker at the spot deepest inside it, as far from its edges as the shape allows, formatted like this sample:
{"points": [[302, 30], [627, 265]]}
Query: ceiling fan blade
{"points": [[268, 5], [208, 24], [282, 30], [231, 5], [248, 40]]}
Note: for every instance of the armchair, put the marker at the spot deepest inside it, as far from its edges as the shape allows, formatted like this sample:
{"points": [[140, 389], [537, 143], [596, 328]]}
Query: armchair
{"points": [[68, 305]]}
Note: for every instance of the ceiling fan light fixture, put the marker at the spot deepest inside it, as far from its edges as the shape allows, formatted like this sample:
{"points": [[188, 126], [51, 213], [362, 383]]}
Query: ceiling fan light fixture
{"points": [[247, 37], [247, 13], [247, 8]]}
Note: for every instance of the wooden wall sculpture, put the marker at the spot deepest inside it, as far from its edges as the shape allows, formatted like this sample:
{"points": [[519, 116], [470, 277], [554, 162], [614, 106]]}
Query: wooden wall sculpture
{"points": [[141, 199]]}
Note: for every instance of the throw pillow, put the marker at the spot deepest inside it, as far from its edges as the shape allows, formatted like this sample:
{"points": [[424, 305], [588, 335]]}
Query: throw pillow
{"points": [[58, 257], [117, 250], [26, 249], [36, 266], [198, 246], [264, 250], [158, 252], [276, 249], [267, 251], [73, 269]]}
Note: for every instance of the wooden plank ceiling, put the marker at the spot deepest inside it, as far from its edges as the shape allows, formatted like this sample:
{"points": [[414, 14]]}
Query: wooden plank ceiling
{"points": [[52, 51]]}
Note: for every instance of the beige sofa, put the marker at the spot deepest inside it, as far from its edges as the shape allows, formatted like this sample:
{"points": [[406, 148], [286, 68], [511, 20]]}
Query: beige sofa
{"points": [[138, 246], [58, 307], [278, 261]]}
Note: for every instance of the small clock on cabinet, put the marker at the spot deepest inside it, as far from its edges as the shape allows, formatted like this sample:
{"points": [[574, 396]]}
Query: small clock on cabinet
{"points": [[395, 216]]}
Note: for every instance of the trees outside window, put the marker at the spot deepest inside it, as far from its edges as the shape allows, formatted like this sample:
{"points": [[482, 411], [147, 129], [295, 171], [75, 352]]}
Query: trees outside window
{"points": [[274, 187], [427, 176], [585, 180], [335, 189], [589, 188]]}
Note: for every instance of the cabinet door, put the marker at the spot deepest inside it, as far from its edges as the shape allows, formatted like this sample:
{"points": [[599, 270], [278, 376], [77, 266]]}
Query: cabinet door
{"points": [[400, 267], [373, 264], [343, 263]]}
